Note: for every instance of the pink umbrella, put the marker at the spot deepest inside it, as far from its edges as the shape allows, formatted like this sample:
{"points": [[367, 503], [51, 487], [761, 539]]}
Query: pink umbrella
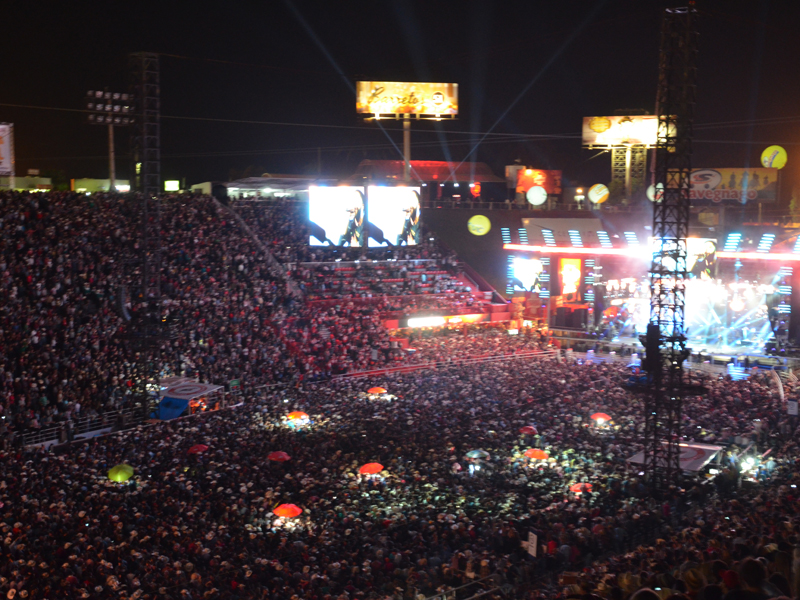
{"points": [[288, 510], [371, 469], [600, 417], [536, 454], [580, 487], [198, 449], [278, 456]]}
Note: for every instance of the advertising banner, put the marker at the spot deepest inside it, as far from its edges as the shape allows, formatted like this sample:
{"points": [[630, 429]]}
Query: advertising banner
{"points": [[715, 186], [394, 215], [549, 180], [6, 149], [618, 130], [396, 97], [336, 215]]}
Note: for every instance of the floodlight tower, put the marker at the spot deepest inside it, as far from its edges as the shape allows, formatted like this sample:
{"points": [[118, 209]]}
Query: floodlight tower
{"points": [[113, 109], [665, 342]]}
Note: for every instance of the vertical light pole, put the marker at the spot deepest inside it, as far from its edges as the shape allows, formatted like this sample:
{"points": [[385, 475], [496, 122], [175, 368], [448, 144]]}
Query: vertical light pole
{"points": [[112, 109], [112, 169], [407, 147]]}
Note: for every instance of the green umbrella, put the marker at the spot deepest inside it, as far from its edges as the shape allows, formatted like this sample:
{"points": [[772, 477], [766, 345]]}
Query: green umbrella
{"points": [[120, 473], [478, 454]]}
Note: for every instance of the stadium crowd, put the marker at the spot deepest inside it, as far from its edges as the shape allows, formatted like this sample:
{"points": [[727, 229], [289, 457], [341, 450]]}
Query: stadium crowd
{"points": [[66, 258], [457, 495]]}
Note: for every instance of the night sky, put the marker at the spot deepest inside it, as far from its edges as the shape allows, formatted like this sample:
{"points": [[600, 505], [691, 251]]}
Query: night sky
{"points": [[296, 63]]}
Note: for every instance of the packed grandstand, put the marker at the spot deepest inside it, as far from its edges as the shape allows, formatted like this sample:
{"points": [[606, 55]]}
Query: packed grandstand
{"points": [[492, 478]]}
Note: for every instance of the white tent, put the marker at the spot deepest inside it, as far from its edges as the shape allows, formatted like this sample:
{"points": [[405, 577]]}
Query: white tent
{"points": [[693, 456], [188, 390]]}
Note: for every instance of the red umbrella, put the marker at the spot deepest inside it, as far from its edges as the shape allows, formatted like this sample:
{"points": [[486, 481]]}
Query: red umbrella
{"points": [[376, 390], [528, 430], [278, 456], [288, 510], [580, 487], [296, 415], [371, 469], [601, 417], [198, 449], [536, 453]]}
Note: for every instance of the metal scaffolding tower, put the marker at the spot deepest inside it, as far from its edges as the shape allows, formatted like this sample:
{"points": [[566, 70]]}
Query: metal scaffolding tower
{"points": [[628, 166], [665, 342], [146, 140], [147, 330]]}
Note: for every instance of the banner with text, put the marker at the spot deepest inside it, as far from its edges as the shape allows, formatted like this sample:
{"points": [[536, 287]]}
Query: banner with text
{"points": [[399, 97], [6, 149], [715, 186]]}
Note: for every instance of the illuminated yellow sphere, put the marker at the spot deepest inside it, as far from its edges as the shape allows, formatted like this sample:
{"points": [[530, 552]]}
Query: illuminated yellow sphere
{"points": [[479, 225], [774, 157]]}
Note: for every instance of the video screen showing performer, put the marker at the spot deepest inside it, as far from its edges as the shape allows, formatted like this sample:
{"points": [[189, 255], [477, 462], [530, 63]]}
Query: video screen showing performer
{"points": [[701, 264], [394, 216], [337, 216], [526, 274]]}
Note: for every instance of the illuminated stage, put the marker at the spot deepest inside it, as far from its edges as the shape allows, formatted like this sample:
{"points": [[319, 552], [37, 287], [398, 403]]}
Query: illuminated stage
{"points": [[737, 303]]}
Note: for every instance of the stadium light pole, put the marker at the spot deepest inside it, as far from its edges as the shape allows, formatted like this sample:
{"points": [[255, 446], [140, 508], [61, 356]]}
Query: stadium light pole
{"points": [[113, 109], [112, 170]]}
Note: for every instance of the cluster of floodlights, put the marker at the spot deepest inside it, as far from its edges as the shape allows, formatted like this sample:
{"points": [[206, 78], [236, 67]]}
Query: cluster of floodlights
{"points": [[110, 108]]}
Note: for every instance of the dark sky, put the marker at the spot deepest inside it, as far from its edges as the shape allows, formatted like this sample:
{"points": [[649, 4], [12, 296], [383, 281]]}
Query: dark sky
{"points": [[259, 61]]}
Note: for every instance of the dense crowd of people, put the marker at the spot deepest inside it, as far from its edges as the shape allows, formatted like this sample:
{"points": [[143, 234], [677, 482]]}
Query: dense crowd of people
{"points": [[200, 525], [457, 496]]}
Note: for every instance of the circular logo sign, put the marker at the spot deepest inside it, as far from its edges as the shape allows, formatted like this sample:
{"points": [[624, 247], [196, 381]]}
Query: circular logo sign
{"points": [[537, 195], [600, 124], [479, 225], [655, 192], [598, 193], [774, 157]]}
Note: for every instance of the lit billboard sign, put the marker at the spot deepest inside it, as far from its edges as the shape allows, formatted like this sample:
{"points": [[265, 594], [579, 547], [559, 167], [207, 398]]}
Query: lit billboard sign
{"points": [[336, 215], [395, 97], [6, 149], [393, 215], [549, 180], [640, 130], [733, 185]]}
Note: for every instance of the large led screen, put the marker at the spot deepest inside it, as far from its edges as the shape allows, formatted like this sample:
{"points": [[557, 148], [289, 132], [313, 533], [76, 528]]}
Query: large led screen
{"points": [[569, 270], [394, 216], [526, 274], [337, 216]]}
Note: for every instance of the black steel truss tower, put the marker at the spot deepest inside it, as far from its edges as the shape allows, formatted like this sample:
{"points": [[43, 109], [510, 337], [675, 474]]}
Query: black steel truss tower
{"points": [[146, 135], [665, 342], [146, 329]]}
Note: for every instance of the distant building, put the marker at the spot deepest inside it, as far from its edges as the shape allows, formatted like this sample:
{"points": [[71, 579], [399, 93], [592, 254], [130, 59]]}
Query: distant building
{"points": [[27, 183], [97, 185]]}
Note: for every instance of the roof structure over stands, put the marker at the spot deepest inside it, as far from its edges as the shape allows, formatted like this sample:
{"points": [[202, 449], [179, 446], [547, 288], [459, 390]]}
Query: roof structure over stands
{"points": [[269, 184], [427, 170]]}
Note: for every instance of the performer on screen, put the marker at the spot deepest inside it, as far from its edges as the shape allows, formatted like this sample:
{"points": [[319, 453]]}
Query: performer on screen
{"points": [[354, 234], [410, 232], [703, 267]]}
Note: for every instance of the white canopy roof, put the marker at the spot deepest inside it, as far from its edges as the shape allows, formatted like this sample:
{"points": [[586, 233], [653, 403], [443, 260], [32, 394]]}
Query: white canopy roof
{"points": [[693, 456], [189, 390]]}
